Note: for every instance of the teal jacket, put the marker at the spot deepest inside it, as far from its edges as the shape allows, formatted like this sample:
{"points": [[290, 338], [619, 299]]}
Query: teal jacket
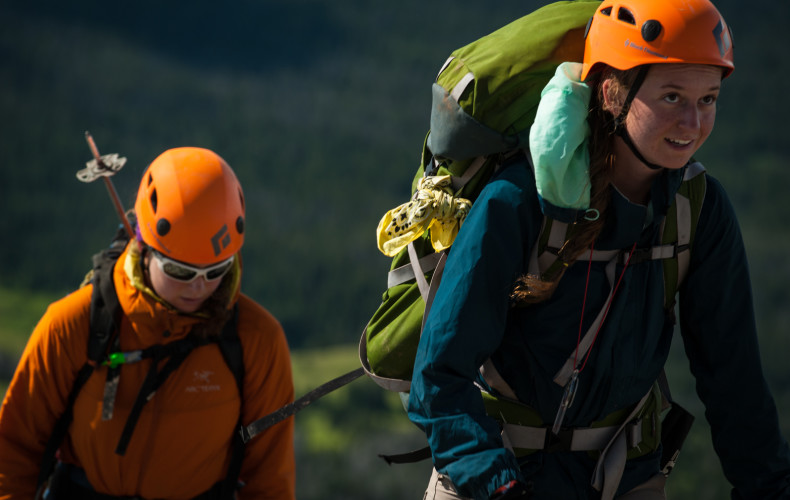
{"points": [[471, 320]]}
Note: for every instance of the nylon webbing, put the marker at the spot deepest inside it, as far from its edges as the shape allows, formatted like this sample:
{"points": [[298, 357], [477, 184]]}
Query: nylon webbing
{"points": [[286, 411], [563, 376], [683, 205], [422, 283], [461, 86], [580, 439], [390, 384], [176, 352], [469, 173], [405, 272], [611, 464], [444, 66], [436, 278]]}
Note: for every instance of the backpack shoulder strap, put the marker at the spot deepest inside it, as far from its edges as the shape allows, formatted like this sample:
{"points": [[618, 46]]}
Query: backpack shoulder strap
{"points": [[230, 346], [680, 226], [105, 309], [104, 322]]}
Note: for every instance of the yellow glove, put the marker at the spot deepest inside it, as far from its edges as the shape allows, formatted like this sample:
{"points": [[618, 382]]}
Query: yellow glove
{"points": [[432, 207]]}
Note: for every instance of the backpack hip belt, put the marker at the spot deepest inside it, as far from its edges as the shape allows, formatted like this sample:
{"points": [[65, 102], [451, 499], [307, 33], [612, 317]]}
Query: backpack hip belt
{"points": [[620, 436]]}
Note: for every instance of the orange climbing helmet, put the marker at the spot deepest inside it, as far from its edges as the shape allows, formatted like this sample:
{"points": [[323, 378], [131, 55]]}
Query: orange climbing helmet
{"points": [[190, 207], [629, 33]]}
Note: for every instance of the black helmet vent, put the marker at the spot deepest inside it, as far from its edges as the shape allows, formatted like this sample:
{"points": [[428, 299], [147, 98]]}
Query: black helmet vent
{"points": [[626, 16]]}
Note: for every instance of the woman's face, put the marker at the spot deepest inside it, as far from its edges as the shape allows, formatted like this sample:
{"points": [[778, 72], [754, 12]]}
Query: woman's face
{"points": [[184, 296], [673, 112]]}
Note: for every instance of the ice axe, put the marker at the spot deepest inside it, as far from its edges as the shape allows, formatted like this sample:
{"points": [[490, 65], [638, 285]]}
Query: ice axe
{"points": [[105, 167]]}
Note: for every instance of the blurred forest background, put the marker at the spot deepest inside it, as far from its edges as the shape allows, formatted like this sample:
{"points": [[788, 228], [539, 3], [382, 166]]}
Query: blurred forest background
{"points": [[321, 108]]}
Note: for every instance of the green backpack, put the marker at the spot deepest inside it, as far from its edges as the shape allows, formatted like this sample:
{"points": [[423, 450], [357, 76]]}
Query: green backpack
{"points": [[484, 102]]}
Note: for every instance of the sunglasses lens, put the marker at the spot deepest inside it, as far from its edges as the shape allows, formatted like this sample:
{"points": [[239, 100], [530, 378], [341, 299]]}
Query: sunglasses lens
{"points": [[178, 272], [219, 271]]}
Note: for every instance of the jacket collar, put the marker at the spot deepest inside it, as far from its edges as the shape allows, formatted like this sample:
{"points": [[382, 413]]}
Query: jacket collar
{"points": [[153, 319], [626, 220]]}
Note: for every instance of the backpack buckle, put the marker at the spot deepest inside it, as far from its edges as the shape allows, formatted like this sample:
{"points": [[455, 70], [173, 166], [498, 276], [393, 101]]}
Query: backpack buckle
{"points": [[558, 442]]}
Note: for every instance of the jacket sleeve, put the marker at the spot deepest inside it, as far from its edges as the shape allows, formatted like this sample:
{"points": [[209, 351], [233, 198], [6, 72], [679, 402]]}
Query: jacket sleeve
{"points": [[38, 392], [268, 468], [718, 327], [465, 325]]}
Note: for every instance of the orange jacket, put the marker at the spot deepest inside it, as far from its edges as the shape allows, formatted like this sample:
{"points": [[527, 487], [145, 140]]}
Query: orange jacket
{"points": [[181, 444]]}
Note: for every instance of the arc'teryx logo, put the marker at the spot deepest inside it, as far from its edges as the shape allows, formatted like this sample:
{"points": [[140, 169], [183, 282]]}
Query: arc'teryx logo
{"points": [[220, 240], [202, 379], [203, 376]]}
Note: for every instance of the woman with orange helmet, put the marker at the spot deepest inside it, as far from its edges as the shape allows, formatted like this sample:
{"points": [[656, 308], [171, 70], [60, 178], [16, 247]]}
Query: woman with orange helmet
{"points": [[508, 412], [188, 359]]}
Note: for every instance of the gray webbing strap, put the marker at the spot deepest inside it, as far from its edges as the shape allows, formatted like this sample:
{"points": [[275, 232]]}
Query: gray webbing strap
{"points": [[582, 439], [563, 376], [683, 205], [462, 85], [662, 252], [609, 469], [405, 272], [534, 264], [557, 234], [391, 384], [435, 280], [684, 221], [444, 66], [471, 170], [613, 442], [538, 263], [556, 240], [495, 380], [428, 291], [422, 283]]}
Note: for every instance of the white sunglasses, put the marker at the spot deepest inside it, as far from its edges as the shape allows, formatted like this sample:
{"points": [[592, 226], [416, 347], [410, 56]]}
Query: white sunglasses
{"points": [[184, 272]]}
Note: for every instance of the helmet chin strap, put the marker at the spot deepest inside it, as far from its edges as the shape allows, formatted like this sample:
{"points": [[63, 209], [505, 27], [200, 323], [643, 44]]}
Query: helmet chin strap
{"points": [[620, 128]]}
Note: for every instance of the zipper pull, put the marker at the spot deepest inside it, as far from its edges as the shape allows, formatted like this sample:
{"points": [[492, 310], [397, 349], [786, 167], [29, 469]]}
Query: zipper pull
{"points": [[116, 359]]}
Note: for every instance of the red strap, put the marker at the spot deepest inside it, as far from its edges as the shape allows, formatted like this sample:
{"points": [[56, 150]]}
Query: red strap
{"points": [[606, 311]]}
